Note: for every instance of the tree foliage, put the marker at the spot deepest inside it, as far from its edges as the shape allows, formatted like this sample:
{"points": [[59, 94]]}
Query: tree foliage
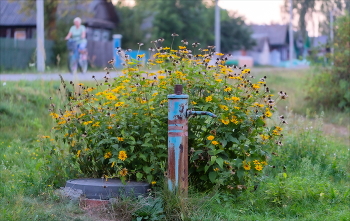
{"points": [[330, 86], [192, 20], [307, 9]]}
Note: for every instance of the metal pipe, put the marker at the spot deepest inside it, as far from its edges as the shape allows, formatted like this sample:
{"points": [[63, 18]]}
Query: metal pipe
{"points": [[190, 112], [178, 114], [178, 141]]}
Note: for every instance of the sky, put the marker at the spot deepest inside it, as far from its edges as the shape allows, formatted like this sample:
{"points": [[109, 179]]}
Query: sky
{"points": [[256, 11], [260, 12]]}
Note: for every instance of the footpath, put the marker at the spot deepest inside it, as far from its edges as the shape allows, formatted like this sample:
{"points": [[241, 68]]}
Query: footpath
{"points": [[55, 76]]}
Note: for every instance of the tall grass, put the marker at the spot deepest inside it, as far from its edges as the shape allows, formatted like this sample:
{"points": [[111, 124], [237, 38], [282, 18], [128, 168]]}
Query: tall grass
{"points": [[308, 179]]}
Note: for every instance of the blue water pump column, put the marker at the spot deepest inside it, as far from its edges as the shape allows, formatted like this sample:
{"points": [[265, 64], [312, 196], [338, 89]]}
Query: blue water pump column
{"points": [[178, 114], [117, 43]]}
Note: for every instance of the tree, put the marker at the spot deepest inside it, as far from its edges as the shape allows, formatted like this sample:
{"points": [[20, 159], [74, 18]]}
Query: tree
{"points": [[51, 8], [329, 88], [307, 9]]}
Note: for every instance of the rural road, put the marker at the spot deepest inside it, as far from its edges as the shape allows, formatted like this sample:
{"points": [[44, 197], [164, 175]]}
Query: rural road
{"points": [[55, 76], [88, 76]]}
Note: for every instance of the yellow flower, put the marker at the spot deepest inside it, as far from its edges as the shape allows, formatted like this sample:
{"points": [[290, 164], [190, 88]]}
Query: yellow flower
{"points": [[228, 89], [258, 167], [209, 98], [120, 139], [122, 155], [54, 115], [216, 169], [215, 142], [182, 47], [264, 137], [256, 86], [140, 55], [224, 107], [279, 128], [97, 124], [246, 166], [211, 137], [161, 77], [123, 172], [268, 114], [256, 162], [119, 104], [153, 182], [61, 122], [225, 121], [275, 132], [78, 153], [264, 163], [113, 163], [193, 102], [107, 155], [87, 122], [235, 99]]}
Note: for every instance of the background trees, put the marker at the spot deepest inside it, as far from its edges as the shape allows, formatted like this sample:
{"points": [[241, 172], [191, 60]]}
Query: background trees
{"points": [[191, 20]]}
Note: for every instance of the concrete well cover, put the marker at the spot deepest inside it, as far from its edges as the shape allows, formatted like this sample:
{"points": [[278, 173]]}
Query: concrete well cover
{"points": [[95, 188]]}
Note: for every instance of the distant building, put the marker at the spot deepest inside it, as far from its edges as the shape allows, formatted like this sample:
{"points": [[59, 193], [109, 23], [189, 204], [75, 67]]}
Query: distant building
{"points": [[272, 44], [100, 19]]}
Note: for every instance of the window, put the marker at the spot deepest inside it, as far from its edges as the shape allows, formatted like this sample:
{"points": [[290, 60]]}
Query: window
{"points": [[20, 34]]}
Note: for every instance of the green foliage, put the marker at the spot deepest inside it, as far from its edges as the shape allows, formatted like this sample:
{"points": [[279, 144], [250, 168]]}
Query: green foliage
{"points": [[307, 8], [20, 101], [119, 129], [329, 88], [316, 165], [154, 19], [130, 26]]}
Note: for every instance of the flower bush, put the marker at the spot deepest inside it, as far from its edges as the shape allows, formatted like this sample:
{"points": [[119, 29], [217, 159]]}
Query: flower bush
{"points": [[119, 128]]}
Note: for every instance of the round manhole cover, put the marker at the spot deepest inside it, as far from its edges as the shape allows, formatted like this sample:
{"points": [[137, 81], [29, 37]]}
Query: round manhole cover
{"points": [[94, 188]]}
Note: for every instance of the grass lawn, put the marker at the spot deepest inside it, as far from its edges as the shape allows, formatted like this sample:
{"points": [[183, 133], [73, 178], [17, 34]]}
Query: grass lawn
{"points": [[308, 180]]}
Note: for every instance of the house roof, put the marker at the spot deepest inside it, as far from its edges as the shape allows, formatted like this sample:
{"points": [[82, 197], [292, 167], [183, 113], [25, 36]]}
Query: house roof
{"points": [[103, 13], [260, 41], [277, 34], [10, 14]]}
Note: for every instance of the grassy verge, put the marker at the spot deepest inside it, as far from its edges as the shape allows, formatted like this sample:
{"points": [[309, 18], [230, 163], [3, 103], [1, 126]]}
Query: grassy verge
{"points": [[308, 180]]}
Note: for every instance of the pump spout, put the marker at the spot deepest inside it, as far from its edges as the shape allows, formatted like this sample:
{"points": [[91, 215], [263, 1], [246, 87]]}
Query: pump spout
{"points": [[190, 112]]}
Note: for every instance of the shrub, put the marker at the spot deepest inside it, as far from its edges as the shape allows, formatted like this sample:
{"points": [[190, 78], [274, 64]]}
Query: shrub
{"points": [[329, 88], [118, 128]]}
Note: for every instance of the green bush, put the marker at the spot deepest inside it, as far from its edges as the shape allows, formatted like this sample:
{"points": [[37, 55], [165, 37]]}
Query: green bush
{"points": [[118, 129], [329, 87]]}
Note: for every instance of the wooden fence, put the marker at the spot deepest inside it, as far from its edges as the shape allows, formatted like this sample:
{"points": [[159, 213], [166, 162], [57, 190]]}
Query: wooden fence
{"points": [[100, 53], [19, 54]]}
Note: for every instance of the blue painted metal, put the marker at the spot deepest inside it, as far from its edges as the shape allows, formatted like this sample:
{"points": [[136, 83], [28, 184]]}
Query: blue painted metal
{"points": [[190, 112], [177, 142], [117, 43], [178, 114]]}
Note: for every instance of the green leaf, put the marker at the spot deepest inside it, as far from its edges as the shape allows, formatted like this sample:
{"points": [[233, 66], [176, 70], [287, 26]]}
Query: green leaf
{"points": [[212, 176], [206, 168], [212, 160], [220, 162], [139, 176], [149, 178], [147, 169]]}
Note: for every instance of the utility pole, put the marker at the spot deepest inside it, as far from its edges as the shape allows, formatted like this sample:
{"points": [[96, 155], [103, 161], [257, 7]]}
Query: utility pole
{"points": [[291, 31], [331, 17], [40, 48], [217, 27]]}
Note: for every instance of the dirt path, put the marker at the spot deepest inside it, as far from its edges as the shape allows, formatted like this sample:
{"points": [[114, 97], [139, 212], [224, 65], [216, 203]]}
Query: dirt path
{"points": [[55, 76]]}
